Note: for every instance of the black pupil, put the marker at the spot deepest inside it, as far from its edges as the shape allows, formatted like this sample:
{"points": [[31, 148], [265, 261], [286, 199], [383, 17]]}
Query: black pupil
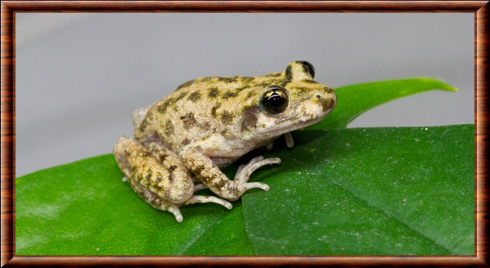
{"points": [[275, 102]]}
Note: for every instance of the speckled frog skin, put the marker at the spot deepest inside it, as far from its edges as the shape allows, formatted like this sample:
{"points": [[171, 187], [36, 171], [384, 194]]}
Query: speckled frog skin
{"points": [[181, 142]]}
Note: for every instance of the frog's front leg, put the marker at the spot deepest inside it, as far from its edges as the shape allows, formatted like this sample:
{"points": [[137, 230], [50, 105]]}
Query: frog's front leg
{"points": [[158, 178], [197, 160]]}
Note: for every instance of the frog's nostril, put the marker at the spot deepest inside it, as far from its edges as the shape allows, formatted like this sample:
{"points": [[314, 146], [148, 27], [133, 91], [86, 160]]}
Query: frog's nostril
{"points": [[318, 96]]}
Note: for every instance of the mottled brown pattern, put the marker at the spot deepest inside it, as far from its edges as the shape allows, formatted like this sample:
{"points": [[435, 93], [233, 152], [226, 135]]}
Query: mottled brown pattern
{"points": [[205, 126], [194, 96], [213, 92], [162, 108], [169, 128], [189, 120], [227, 117], [181, 96], [197, 170], [229, 94], [326, 104], [213, 110]]}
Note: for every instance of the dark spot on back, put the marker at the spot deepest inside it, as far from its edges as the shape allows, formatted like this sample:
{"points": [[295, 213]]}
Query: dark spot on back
{"points": [[181, 96], [194, 96], [250, 117], [213, 92], [163, 107], [189, 120], [213, 110], [229, 94], [186, 141], [227, 118]]}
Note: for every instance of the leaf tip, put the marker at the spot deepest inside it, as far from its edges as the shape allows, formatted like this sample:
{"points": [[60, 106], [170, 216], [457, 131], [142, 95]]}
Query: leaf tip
{"points": [[445, 86]]}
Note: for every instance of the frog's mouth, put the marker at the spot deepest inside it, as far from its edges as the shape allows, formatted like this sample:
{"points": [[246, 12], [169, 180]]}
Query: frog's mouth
{"points": [[299, 124]]}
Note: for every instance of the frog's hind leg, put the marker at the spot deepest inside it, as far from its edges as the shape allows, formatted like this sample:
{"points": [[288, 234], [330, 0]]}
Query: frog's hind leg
{"points": [[158, 176]]}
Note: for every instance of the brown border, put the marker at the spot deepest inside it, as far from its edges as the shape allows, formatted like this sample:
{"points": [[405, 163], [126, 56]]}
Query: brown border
{"points": [[8, 10]]}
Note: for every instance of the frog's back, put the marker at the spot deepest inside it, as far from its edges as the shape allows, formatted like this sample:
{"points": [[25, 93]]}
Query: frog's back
{"points": [[201, 107]]}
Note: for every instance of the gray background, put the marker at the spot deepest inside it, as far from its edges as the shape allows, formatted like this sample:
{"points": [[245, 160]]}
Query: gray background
{"points": [[80, 76]]}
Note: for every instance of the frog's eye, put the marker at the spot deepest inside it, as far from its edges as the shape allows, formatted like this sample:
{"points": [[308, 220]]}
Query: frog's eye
{"points": [[308, 68], [274, 100]]}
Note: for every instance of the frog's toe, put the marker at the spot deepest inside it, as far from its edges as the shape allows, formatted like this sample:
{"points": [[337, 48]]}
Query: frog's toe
{"points": [[247, 186], [243, 173], [289, 139], [208, 199], [242, 167], [175, 210]]}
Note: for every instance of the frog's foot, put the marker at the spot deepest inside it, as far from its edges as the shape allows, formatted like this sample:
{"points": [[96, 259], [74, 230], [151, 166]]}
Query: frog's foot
{"points": [[209, 173], [244, 171], [208, 199], [176, 211]]}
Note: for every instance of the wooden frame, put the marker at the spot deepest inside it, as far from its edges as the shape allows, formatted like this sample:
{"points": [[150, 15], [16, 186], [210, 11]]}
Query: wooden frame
{"points": [[10, 8]]}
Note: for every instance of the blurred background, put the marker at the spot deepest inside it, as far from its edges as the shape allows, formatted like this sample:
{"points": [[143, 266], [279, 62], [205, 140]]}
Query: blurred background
{"points": [[79, 76]]}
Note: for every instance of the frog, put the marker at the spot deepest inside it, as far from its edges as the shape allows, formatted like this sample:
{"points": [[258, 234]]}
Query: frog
{"points": [[182, 141]]}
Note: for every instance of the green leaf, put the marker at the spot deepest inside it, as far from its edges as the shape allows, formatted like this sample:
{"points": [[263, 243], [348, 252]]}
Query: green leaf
{"points": [[353, 100], [345, 193], [374, 191], [84, 208]]}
